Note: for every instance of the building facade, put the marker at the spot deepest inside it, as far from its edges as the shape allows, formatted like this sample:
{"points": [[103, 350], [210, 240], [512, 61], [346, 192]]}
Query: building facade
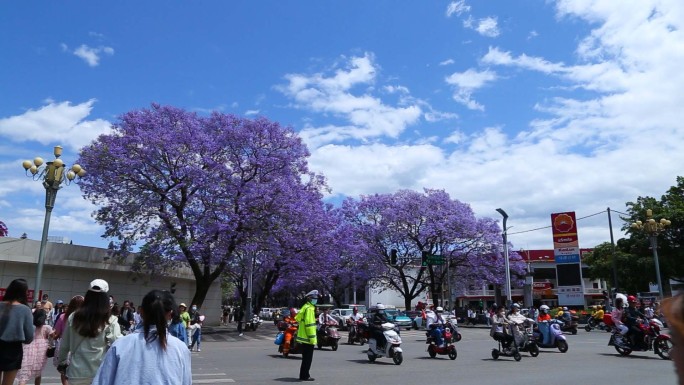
{"points": [[68, 270]]}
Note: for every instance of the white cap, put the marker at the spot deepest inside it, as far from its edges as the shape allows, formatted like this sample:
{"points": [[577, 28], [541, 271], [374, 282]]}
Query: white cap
{"points": [[312, 294], [99, 286]]}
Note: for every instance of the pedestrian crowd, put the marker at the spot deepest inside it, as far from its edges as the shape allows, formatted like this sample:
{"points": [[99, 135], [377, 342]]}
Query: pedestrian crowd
{"points": [[91, 337]]}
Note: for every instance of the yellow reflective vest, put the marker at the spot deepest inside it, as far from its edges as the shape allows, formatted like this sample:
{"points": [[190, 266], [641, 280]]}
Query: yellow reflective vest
{"points": [[306, 333]]}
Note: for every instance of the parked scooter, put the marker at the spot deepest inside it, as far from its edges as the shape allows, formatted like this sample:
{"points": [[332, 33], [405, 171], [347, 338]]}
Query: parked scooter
{"points": [[328, 336], [391, 349], [288, 340], [446, 348], [661, 344], [357, 332], [549, 335]]}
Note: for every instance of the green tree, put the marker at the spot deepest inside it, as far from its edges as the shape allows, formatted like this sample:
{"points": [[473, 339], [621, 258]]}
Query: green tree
{"points": [[670, 254], [633, 272]]}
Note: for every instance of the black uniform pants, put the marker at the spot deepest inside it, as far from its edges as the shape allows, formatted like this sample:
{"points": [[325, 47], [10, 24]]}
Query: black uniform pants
{"points": [[307, 357]]}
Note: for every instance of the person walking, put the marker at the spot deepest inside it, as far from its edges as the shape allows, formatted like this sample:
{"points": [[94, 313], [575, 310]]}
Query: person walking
{"points": [[88, 333], [177, 327], [150, 356], [16, 329], [195, 328], [35, 356], [239, 318], [75, 303], [306, 333]]}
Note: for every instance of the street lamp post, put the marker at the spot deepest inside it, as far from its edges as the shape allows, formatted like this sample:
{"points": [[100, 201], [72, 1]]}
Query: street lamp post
{"points": [[53, 176], [508, 270], [653, 228]]}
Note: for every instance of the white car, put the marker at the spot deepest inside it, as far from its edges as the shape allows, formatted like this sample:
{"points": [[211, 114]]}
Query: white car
{"points": [[342, 315], [266, 313]]}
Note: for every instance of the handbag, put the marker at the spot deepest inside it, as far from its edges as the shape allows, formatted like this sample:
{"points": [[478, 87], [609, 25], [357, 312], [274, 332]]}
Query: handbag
{"points": [[50, 352]]}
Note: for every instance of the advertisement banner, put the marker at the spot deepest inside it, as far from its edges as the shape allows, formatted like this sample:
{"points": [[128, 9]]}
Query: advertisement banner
{"points": [[564, 228], [567, 255]]}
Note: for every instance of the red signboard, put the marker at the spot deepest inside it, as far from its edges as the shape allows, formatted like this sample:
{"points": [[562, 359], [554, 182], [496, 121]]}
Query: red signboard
{"points": [[542, 285], [564, 226]]}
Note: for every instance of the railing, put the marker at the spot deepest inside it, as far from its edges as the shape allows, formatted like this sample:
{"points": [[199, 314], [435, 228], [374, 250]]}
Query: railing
{"points": [[519, 292]]}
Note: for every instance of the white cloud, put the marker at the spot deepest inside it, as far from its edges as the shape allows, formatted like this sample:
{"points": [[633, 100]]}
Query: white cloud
{"points": [[55, 123], [366, 116], [91, 55], [447, 62], [467, 82], [251, 112], [488, 27], [457, 8]]}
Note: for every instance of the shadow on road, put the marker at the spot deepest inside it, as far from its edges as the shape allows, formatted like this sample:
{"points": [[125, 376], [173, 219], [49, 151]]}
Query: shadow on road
{"points": [[289, 357], [287, 379], [617, 355], [373, 363]]}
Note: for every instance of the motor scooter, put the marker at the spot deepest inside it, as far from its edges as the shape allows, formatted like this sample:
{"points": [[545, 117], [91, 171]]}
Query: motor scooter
{"points": [[288, 344], [391, 349], [569, 325], [660, 344], [328, 336], [446, 348], [357, 332], [594, 323], [253, 323], [549, 335]]}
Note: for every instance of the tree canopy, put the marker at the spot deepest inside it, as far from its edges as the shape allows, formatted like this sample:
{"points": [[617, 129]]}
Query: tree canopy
{"points": [[207, 191]]}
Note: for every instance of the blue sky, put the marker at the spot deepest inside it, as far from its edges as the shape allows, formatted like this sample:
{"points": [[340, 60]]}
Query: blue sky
{"points": [[533, 106]]}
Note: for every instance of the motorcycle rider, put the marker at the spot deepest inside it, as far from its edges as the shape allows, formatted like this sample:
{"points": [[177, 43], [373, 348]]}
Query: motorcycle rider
{"points": [[633, 317], [435, 325], [499, 328], [566, 316], [544, 313], [616, 316], [325, 319], [353, 321], [378, 318]]}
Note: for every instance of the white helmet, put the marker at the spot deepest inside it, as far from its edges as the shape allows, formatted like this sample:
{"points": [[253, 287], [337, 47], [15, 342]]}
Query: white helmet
{"points": [[544, 308], [380, 306], [439, 309]]}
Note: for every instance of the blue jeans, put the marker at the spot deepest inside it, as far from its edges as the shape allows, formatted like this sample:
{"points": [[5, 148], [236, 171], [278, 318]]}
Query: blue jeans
{"points": [[196, 338]]}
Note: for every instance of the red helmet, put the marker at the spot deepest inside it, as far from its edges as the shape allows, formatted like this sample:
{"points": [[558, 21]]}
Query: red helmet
{"points": [[631, 298]]}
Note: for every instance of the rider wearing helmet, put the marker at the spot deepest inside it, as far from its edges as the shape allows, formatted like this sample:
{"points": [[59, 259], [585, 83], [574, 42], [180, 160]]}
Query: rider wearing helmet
{"points": [[377, 319], [567, 316], [435, 325], [632, 319], [544, 314]]}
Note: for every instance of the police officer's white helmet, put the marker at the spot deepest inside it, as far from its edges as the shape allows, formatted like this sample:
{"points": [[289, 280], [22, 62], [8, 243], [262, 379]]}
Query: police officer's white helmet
{"points": [[380, 306], [439, 309]]}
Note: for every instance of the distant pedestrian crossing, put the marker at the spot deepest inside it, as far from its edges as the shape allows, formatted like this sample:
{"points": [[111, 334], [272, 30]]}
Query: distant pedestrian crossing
{"points": [[197, 378]]}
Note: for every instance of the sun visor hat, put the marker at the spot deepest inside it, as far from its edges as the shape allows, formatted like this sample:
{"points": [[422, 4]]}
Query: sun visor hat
{"points": [[99, 286]]}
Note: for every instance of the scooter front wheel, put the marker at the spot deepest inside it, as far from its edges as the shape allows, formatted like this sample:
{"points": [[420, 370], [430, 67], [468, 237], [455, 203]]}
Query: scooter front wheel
{"points": [[495, 354], [398, 358], [562, 346], [453, 354], [517, 357], [534, 350], [371, 356], [587, 328], [334, 346], [431, 351]]}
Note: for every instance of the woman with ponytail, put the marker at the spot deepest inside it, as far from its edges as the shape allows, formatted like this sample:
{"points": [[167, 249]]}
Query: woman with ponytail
{"points": [[151, 356]]}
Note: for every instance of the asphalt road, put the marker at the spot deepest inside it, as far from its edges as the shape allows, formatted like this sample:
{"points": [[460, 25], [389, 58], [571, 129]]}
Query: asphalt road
{"points": [[253, 359]]}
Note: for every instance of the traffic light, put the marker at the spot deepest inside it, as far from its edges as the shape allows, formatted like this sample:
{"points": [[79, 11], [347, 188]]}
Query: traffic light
{"points": [[393, 257], [424, 259]]}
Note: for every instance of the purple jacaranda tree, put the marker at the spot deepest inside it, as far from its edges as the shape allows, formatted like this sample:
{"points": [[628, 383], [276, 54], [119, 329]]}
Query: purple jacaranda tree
{"points": [[194, 190], [3, 229], [413, 223]]}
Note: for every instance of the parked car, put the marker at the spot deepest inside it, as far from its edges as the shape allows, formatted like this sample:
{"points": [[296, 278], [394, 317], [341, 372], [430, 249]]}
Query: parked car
{"points": [[399, 318], [266, 313], [342, 315]]}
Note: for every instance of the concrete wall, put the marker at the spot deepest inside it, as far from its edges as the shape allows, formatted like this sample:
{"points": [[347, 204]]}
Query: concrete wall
{"points": [[68, 270]]}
